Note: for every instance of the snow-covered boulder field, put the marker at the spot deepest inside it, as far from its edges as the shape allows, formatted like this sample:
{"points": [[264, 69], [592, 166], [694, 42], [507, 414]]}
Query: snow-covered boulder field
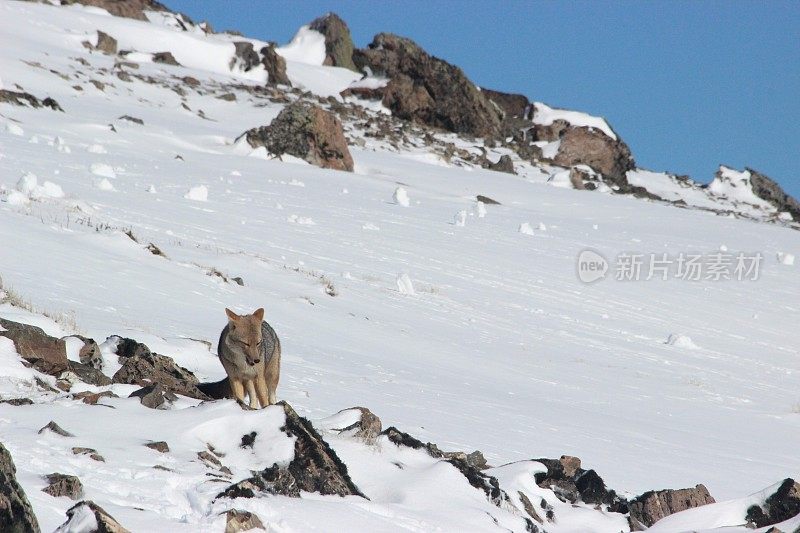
{"points": [[426, 276]]}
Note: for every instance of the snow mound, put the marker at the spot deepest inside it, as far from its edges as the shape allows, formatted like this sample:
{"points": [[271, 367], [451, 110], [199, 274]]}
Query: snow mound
{"points": [[681, 341], [735, 186], [546, 115], [198, 193], [96, 149], [307, 46], [103, 169], [103, 184], [404, 284], [785, 258], [525, 228], [400, 197]]}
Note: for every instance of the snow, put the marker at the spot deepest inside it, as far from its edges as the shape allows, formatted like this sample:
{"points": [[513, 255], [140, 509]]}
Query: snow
{"points": [[735, 186], [307, 46], [103, 169], [785, 258], [198, 193], [502, 348], [681, 341], [525, 228], [546, 115]]}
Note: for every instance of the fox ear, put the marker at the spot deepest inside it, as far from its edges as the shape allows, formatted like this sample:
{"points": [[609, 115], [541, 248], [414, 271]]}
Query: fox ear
{"points": [[231, 315], [259, 314]]}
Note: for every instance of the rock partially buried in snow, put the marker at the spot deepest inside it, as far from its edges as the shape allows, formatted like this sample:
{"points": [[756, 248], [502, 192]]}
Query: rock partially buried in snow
{"points": [[525, 228], [64, 485], [400, 197], [103, 184], [652, 506], [681, 341], [404, 284], [103, 169], [88, 517], [305, 131], [237, 521], [16, 513], [47, 354], [198, 193], [785, 258], [460, 218], [781, 505]]}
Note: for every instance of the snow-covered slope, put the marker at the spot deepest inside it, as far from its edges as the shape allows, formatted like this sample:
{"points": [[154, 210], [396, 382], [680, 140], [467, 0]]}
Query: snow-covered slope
{"points": [[499, 348]]}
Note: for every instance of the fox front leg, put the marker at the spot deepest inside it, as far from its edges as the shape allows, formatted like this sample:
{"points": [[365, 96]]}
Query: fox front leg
{"points": [[251, 393]]}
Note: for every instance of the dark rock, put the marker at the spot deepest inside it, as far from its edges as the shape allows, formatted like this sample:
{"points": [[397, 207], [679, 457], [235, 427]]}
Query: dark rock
{"points": [[89, 374], [76, 518], [217, 390], [504, 164], [244, 56], [315, 467], [154, 396], [209, 459], [91, 452], [486, 200], [237, 521], [308, 132], [652, 506], [16, 402], [55, 428], [52, 104], [338, 42], [64, 485], [106, 43], [16, 513], [248, 440], [147, 369], [47, 354], [133, 9], [367, 427], [159, 446], [128, 117], [228, 97], [426, 89], [238, 280], [165, 58], [275, 65], [129, 347], [190, 81], [767, 189], [780, 506], [26, 99], [587, 146], [571, 483]]}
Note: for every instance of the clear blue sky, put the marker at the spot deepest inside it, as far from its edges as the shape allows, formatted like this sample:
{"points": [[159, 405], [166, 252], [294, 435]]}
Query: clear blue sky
{"points": [[687, 84]]}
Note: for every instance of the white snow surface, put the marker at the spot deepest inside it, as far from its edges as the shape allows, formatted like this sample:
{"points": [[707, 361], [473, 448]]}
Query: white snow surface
{"points": [[500, 349], [546, 115]]}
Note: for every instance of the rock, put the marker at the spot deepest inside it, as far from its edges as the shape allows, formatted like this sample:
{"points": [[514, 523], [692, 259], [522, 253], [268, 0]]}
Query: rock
{"points": [[587, 146], [159, 446], [244, 58], [106, 43], [47, 354], [190, 81], [652, 506], [486, 200], [80, 514], [16, 513], [512, 105], [367, 427], [582, 177], [16, 402], [570, 465], [315, 467], [426, 89], [780, 506], [238, 521], [338, 42], [504, 164], [308, 132], [55, 428], [227, 97], [21, 98], [91, 452], [128, 117], [64, 485], [275, 66], [216, 390], [129, 347], [768, 190], [154, 396], [90, 353], [133, 9], [165, 58], [89, 374], [91, 398], [571, 483], [147, 369]]}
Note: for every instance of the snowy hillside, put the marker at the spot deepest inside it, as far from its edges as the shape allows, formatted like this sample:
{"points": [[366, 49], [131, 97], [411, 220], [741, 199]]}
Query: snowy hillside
{"points": [[462, 323]]}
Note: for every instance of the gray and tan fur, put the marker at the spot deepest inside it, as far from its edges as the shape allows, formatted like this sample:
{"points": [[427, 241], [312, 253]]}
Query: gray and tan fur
{"points": [[250, 352]]}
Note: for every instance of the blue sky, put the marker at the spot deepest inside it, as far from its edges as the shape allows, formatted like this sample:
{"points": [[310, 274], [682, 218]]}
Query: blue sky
{"points": [[687, 84]]}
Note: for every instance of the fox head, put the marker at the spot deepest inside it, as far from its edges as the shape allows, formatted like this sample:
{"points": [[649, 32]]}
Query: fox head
{"points": [[244, 335]]}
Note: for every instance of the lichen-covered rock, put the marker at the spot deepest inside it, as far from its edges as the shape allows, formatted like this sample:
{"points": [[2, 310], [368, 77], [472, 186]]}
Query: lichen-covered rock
{"points": [[82, 513], [275, 65], [588, 146], [338, 42], [47, 354], [237, 521], [652, 506], [314, 468], [426, 89], [133, 9], [308, 132], [16, 513], [150, 369], [64, 485]]}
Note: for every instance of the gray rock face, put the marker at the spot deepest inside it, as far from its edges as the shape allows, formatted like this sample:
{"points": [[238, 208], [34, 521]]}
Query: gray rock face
{"points": [[426, 89], [275, 66], [64, 485], [106, 43], [512, 105], [308, 132], [652, 506], [780, 506], [315, 467], [572, 483], [76, 517], [338, 42], [16, 514], [504, 164], [47, 354], [767, 189]]}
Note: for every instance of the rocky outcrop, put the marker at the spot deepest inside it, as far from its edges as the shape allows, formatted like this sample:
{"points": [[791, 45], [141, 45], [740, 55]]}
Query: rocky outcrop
{"points": [[504, 164], [64, 485], [133, 9], [314, 468], [781, 505], [571, 483], [768, 190], [21, 98], [78, 516], [237, 521], [275, 65], [426, 89], [512, 105], [367, 427], [338, 42], [45, 353], [165, 58], [244, 57], [652, 506], [151, 369], [16, 514], [308, 132], [106, 43], [588, 146]]}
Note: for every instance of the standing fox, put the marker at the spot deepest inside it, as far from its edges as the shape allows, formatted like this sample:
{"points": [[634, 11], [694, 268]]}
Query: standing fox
{"points": [[250, 352]]}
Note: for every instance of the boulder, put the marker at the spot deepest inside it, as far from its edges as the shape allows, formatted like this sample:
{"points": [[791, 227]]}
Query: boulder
{"points": [[314, 468], [165, 58], [82, 513], [160, 446], [338, 42], [592, 147], [16, 513], [46, 354], [150, 369], [780, 506], [133, 9], [154, 396], [308, 132], [55, 428], [367, 427], [237, 521], [244, 56], [504, 164], [129, 347], [89, 374], [64, 485], [426, 89], [106, 43], [767, 189], [275, 65], [512, 105], [652, 506], [571, 483], [89, 353]]}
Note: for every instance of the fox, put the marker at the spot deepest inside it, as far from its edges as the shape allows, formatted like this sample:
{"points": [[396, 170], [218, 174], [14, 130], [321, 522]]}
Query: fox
{"points": [[250, 353]]}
